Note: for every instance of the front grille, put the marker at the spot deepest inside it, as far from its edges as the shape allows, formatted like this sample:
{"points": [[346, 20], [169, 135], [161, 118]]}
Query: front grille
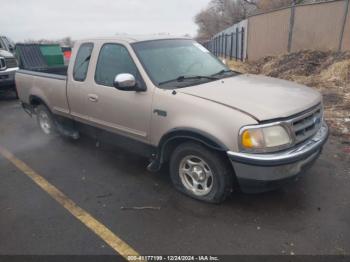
{"points": [[307, 125], [11, 62]]}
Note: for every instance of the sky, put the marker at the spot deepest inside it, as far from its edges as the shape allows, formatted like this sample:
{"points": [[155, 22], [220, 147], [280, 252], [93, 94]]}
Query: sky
{"points": [[55, 19]]}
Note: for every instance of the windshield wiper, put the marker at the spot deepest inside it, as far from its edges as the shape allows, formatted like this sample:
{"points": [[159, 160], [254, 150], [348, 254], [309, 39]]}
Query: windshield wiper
{"points": [[184, 78], [224, 71]]}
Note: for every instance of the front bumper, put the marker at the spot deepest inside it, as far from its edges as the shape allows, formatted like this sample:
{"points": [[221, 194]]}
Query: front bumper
{"points": [[7, 77], [264, 172]]}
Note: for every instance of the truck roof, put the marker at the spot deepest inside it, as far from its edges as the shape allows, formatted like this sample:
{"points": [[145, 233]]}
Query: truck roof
{"points": [[136, 38]]}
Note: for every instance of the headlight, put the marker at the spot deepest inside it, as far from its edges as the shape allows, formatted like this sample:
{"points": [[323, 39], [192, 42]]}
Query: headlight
{"points": [[2, 63], [264, 138]]}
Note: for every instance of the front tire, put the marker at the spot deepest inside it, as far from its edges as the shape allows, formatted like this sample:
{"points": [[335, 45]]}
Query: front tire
{"points": [[201, 173], [45, 120]]}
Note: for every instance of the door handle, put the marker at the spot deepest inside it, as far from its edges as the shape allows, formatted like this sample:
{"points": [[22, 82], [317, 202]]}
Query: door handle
{"points": [[93, 97]]}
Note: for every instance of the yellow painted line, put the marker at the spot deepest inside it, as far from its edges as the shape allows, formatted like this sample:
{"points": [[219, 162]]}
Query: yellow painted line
{"points": [[89, 221]]}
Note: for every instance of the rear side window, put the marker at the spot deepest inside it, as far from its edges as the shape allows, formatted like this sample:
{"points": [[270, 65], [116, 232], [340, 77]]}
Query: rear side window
{"points": [[114, 59], [82, 62]]}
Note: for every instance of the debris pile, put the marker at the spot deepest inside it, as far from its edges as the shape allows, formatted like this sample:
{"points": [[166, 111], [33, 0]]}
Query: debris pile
{"points": [[327, 71]]}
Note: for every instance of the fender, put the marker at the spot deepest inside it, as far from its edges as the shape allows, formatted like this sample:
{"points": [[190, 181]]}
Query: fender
{"points": [[171, 139]]}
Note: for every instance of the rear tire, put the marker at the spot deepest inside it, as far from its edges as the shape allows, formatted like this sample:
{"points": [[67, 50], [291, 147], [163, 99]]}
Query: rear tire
{"points": [[201, 173], [45, 120]]}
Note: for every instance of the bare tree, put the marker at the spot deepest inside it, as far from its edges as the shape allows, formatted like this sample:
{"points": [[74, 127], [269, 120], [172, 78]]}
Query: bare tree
{"points": [[67, 41], [219, 15], [266, 5]]}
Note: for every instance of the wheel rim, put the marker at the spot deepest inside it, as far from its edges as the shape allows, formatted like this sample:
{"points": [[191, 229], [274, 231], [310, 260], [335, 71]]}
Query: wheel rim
{"points": [[44, 122], [196, 175]]}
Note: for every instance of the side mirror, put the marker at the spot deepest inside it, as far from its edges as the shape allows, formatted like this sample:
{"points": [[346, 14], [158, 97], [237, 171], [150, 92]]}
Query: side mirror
{"points": [[125, 82]]}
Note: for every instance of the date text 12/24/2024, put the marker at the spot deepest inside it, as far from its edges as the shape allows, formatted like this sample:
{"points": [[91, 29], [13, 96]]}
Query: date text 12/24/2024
{"points": [[173, 258]]}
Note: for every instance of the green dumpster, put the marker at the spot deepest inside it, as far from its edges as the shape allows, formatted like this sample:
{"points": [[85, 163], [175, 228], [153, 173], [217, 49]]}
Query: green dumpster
{"points": [[52, 54]]}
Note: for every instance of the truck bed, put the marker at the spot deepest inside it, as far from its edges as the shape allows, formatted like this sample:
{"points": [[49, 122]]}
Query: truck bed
{"points": [[48, 84]]}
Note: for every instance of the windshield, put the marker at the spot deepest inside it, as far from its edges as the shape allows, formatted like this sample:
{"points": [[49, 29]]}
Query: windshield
{"points": [[179, 62]]}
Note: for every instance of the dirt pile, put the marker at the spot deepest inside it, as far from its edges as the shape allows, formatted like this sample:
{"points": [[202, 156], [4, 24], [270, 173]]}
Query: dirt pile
{"points": [[329, 72]]}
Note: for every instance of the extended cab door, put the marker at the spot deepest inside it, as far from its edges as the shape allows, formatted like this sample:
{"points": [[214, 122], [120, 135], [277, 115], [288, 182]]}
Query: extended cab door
{"points": [[78, 87], [123, 112]]}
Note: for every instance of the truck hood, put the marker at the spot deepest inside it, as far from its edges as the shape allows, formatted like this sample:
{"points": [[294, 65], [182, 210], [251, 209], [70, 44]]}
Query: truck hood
{"points": [[6, 54], [263, 98]]}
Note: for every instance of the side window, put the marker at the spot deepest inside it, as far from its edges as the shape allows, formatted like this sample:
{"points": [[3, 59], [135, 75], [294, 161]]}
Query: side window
{"points": [[82, 62], [114, 59]]}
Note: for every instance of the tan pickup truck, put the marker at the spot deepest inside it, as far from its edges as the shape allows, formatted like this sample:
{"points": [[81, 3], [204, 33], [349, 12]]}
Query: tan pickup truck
{"points": [[171, 100]]}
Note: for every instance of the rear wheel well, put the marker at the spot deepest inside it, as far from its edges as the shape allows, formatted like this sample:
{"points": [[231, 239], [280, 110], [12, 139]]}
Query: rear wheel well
{"points": [[35, 101]]}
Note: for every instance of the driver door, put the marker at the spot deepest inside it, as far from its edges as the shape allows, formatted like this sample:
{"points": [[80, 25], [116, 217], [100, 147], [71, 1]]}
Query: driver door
{"points": [[124, 112]]}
